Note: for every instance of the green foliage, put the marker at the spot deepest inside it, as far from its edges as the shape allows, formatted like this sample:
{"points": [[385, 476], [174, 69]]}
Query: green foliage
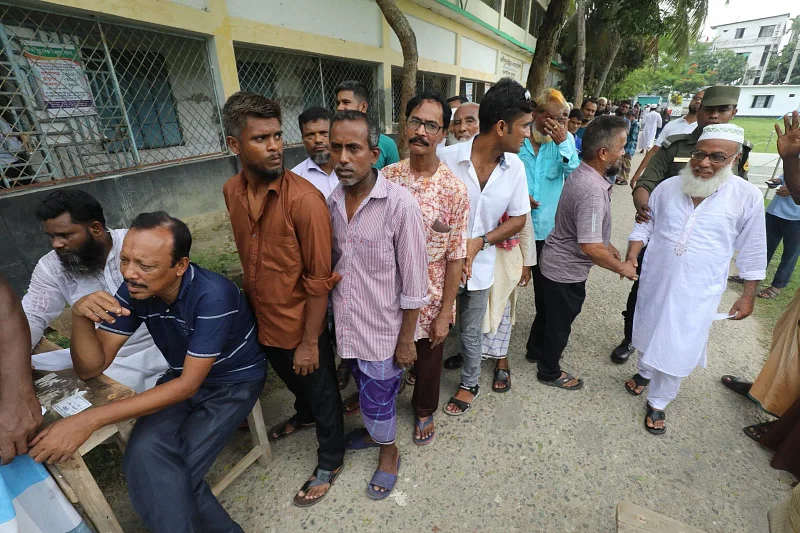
{"points": [[778, 65], [703, 67], [221, 263]]}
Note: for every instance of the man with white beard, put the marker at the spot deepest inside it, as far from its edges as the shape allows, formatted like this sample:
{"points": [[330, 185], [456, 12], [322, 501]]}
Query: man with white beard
{"points": [[698, 219]]}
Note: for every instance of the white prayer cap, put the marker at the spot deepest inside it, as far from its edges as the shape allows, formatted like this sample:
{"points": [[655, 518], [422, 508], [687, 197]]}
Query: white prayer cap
{"points": [[726, 132]]}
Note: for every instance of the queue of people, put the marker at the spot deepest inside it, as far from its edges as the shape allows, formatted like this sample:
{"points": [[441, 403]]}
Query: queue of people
{"points": [[356, 254]]}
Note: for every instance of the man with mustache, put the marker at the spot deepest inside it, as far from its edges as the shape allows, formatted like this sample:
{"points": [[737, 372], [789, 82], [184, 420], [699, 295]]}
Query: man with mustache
{"points": [[444, 203], [718, 107], [495, 180], [202, 324], [351, 95], [315, 124], [589, 109], [581, 238], [283, 233], [697, 221], [680, 126], [85, 259], [379, 251]]}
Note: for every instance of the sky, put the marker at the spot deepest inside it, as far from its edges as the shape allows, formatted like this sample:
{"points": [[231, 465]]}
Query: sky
{"points": [[735, 10]]}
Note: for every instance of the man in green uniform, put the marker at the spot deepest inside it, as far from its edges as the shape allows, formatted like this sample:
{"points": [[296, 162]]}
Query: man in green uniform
{"points": [[718, 107]]}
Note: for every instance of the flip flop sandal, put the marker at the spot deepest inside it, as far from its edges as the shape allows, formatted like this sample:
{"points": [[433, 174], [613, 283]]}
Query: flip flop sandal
{"points": [[737, 384], [357, 440], [322, 477], [343, 376], [757, 431], [464, 406], [640, 382], [278, 431], [411, 376], [769, 293], [559, 383], [421, 425], [735, 279], [502, 376], [655, 415], [350, 399], [383, 480]]}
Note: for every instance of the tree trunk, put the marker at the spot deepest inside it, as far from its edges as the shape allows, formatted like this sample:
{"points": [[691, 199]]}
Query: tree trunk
{"points": [[607, 68], [580, 53], [408, 42], [546, 45]]}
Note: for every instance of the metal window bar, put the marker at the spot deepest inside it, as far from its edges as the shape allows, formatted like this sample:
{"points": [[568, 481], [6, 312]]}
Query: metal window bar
{"points": [[299, 81], [426, 81], [473, 89], [82, 97], [515, 11]]}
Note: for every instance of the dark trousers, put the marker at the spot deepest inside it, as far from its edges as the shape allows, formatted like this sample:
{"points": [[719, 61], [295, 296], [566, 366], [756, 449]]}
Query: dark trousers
{"points": [[317, 399], [789, 231], [536, 275], [559, 305], [428, 367], [171, 450], [630, 308]]}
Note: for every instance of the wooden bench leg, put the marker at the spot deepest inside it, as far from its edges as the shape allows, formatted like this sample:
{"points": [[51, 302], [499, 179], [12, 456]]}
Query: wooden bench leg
{"points": [[123, 434], [81, 482], [258, 434]]}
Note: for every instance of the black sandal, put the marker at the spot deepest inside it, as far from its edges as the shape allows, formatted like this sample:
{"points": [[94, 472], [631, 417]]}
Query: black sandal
{"points": [[640, 382], [278, 431], [464, 406], [560, 382], [655, 415], [737, 384], [757, 431], [502, 376], [342, 376], [323, 477], [351, 399]]}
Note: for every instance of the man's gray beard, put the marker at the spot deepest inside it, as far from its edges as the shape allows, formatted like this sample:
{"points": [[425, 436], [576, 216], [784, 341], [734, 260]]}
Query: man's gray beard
{"points": [[540, 138], [321, 158], [703, 188]]}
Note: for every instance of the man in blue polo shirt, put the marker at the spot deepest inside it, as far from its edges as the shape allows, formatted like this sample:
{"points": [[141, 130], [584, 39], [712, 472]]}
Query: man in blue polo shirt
{"points": [[202, 324]]}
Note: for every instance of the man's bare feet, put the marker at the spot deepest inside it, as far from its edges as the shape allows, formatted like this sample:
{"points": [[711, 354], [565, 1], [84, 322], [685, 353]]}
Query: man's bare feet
{"points": [[285, 429], [464, 396], [503, 384], [387, 462], [352, 404], [658, 424], [632, 386]]}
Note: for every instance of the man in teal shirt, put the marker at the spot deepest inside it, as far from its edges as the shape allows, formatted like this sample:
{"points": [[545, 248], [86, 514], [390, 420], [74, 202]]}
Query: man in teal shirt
{"points": [[352, 95], [549, 156]]}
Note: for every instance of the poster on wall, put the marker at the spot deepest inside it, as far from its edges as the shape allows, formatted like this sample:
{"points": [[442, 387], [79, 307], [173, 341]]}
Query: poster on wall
{"points": [[62, 81]]}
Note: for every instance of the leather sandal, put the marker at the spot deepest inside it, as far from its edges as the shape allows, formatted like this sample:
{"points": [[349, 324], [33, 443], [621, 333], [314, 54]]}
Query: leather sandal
{"points": [[322, 477]]}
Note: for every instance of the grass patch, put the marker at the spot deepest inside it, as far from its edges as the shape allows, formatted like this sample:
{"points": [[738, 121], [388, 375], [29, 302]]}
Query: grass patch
{"points": [[768, 311], [760, 132], [57, 338], [220, 262]]}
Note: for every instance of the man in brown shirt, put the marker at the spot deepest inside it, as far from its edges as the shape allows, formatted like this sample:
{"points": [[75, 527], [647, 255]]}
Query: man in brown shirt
{"points": [[282, 230]]}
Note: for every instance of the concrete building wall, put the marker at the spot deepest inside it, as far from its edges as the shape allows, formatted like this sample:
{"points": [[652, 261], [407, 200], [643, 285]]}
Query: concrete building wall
{"points": [[778, 99]]}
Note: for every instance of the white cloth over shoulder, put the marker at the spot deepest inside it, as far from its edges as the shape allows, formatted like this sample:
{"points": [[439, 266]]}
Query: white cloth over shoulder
{"points": [[685, 268], [650, 124], [138, 364]]}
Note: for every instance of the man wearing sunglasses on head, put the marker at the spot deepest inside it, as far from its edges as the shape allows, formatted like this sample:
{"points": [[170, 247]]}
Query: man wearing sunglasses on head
{"points": [[718, 107]]}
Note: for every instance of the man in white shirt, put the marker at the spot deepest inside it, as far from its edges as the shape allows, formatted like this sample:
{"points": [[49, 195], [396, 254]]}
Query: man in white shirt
{"points": [[496, 183], [315, 124], [651, 122], [685, 124], [85, 259], [697, 220]]}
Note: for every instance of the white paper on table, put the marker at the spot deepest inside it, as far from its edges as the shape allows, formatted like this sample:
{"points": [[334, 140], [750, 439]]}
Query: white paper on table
{"points": [[723, 316], [71, 405]]}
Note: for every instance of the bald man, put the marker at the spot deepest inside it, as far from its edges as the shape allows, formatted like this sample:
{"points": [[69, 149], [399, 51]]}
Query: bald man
{"points": [[465, 122]]}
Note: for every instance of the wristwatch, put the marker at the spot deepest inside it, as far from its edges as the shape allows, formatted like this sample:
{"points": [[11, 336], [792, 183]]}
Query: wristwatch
{"points": [[485, 242]]}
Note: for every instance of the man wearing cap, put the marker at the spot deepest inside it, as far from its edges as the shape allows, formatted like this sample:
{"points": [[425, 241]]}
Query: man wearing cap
{"points": [[718, 107], [697, 220]]}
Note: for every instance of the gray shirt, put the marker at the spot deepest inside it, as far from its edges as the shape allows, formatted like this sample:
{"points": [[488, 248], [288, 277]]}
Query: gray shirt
{"points": [[583, 217]]}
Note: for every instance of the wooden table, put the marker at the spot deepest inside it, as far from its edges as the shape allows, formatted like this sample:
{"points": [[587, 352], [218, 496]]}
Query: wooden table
{"points": [[73, 476]]}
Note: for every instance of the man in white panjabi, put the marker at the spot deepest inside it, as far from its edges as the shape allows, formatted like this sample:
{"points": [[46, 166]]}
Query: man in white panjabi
{"points": [[698, 219], [85, 259], [651, 121]]}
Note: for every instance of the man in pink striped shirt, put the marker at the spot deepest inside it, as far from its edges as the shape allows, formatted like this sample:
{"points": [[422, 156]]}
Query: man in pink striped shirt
{"points": [[379, 250]]}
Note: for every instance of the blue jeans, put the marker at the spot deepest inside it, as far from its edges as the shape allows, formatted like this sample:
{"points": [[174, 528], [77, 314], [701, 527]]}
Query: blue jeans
{"points": [[471, 308], [789, 231], [171, 450]]}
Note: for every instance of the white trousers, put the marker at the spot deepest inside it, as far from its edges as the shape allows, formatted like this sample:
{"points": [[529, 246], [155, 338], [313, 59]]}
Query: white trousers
{"points": [[663, 387]]}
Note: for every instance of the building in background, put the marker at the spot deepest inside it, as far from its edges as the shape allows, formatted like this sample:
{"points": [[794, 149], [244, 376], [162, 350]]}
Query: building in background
{"points": [[128, 94], [758, 39], [772, 101]]}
